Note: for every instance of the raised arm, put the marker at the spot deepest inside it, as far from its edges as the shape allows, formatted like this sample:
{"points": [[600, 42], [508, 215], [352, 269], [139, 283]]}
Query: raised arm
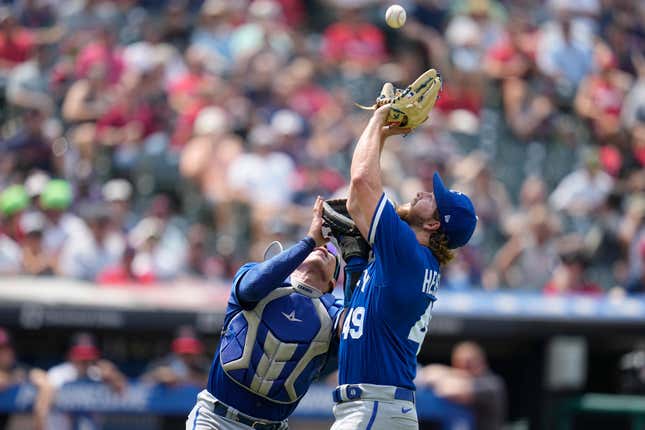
{"points": [[263, 278], [366, 188]]}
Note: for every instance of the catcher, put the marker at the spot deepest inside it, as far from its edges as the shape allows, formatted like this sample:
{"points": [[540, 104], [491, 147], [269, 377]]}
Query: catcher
{"points": [[389, 310], [279, 330]]}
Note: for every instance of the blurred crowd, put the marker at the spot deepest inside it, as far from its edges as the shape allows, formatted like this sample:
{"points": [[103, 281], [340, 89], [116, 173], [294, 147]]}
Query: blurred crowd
{"points": [[184, 364], [149, 141], [467, 380]]}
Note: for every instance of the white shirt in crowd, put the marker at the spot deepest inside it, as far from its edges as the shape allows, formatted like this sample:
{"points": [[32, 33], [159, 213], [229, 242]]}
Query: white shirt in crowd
{"points": [[581, 191]]}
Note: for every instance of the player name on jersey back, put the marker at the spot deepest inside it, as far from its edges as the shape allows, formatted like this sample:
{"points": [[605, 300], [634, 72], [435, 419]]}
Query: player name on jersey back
{"points": [[431, 282]]}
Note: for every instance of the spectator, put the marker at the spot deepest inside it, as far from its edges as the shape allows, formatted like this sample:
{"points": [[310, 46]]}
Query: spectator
{"points": [[84, 103], [177, 24], [161, 248], [313, 179], [600, 97], [84, 363], [86, 256], [626, 160], [567, 60], [34, 186], [103, 50], [12, 372], [62, 226], [119, 90], [10, 256], [28, 86], [186, 364], [509, 56], [13, 201], [150, 52], [353, 39], [489, 194], [635, 99], [129, 119], [88, 99], [527, 108], [532, 193], [82, 20], [200, 264], [262, 175], [264, 29], [471, 382], [303, 94], [526, 260], [16, 43], [124, 272], [471, 32], [213, 32], [569, 276], [37, 259], [637, 283], [30, 148], [583, 190], [190, 92], [35, 14], [208, 155], [118, 194], [604, 244]]}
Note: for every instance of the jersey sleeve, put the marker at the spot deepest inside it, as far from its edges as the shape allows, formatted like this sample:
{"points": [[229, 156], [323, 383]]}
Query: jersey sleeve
{"points": [[234, 304], [391, 238]]}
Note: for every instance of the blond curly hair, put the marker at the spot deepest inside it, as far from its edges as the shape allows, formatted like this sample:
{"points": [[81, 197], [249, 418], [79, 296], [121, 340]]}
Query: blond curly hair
{"points": [[438, 244]]}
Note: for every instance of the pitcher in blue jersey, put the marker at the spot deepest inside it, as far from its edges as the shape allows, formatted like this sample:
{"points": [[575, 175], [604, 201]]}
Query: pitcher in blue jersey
{"points": [[389, 311], [279, 326]]}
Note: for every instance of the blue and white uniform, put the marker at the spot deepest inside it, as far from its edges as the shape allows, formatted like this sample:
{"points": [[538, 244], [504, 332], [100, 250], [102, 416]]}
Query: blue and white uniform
{"points": [[384, 328], [276, 339]]}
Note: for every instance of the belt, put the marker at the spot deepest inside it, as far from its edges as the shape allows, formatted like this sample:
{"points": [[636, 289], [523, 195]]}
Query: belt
{"points": [[347, 393], [222, 410]]}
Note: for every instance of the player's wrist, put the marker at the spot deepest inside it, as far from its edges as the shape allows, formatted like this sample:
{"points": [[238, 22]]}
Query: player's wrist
{"points": [[311, 241], [376, 121]]}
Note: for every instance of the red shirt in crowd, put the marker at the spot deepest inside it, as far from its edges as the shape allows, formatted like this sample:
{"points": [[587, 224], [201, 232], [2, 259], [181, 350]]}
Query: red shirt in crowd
{"points": [[613, 160], [188, 87], [17, 49], [122, 114], [453, 98], [119, 276], [363, 43], [308, 100], [99, 53], [293, 11], [585, 288], [606, 96]]}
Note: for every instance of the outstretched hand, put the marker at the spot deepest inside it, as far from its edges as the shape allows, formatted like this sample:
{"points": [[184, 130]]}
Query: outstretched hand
{"points": [[388, 129], [315, 230]]}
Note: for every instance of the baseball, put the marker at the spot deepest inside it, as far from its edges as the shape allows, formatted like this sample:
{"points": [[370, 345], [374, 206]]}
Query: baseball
{"points": [[395, 16]]}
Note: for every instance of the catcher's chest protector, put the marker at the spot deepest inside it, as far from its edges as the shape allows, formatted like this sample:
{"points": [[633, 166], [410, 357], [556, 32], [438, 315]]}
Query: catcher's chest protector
{"points": [[278, 348]]}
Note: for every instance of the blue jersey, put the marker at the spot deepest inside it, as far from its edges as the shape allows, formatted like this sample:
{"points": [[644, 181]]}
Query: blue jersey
{"points": [[271, 352], [389, 312]]}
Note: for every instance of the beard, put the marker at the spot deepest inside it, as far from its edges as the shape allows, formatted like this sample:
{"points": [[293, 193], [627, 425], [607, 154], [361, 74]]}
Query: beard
{"points": [[405, 213]]}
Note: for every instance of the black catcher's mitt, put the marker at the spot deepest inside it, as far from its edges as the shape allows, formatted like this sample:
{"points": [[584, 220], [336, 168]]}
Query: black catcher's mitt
{"points": [[338, 223], [337, 219]]}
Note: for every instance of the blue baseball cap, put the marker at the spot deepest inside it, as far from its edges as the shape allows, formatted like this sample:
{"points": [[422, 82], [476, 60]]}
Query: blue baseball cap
{"points": [[456, 213]]}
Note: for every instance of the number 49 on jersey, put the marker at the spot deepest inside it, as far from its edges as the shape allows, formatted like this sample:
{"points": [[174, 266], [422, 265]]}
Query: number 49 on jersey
{"points": [[353, 325]]}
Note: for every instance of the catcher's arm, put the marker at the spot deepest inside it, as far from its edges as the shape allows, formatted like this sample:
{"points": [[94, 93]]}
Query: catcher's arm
{"points": [[264, 277], [366, 188]]}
